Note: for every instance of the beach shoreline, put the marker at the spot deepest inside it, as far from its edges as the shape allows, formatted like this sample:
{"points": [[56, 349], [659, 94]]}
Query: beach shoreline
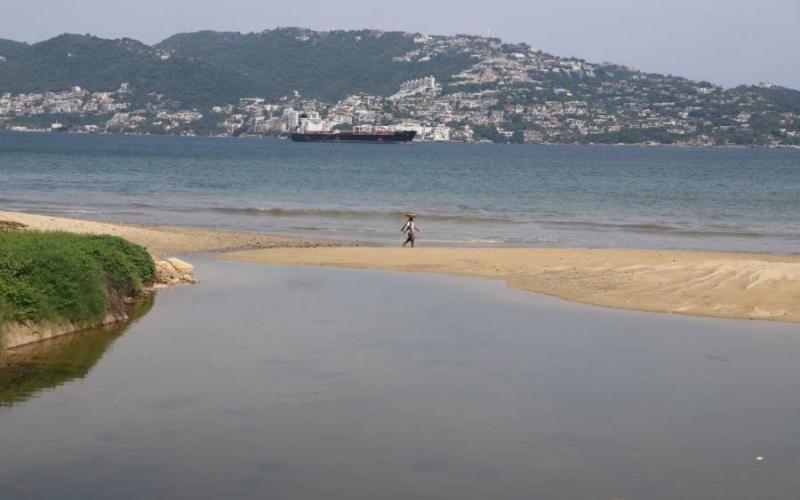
{"points": [[734, 285], [163, 240]]}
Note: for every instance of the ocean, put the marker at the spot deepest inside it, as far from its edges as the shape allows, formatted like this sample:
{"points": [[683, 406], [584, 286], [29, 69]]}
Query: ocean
{"points": [[479, 194]]}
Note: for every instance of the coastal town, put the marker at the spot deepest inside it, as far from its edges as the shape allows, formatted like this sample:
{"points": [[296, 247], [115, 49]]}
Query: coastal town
{"points": [[332, 262], [509, 93]]}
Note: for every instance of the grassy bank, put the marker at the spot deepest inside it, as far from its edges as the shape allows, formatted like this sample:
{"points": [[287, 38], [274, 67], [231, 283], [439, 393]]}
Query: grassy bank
{"points": [[70, 277]]}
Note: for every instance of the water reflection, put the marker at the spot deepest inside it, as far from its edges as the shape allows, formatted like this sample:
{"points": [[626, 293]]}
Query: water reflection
{"points": [[29, 369], [310, 383]]}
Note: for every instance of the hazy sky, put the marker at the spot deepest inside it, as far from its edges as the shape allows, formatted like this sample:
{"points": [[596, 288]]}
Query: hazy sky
{"points": [[724, 41]]}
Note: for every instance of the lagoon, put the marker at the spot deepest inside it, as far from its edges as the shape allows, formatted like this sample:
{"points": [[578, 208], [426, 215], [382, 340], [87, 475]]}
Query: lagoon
{"points": [[304, 383]]}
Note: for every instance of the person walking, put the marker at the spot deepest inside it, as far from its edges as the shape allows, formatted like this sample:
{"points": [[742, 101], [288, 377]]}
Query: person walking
{"points": [[410, 228]]}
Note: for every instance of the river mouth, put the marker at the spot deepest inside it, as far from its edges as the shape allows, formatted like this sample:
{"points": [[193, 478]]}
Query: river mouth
{"points": [[305, 383]]}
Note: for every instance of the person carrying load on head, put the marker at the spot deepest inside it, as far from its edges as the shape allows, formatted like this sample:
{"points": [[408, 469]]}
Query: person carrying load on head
{"points": [[410, 228]]}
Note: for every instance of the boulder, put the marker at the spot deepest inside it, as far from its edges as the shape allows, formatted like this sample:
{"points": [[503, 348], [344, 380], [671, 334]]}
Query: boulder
{"points": [[181, 266], [174, 271], [166, 272]]}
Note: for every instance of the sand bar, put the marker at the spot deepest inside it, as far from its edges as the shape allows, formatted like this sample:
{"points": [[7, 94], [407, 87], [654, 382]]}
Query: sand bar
{"points": [[717, 284], [158, 239]]}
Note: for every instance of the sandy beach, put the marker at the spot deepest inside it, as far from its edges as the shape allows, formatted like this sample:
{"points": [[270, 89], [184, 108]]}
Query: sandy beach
{"points": [[160, 240], [699, 283]]}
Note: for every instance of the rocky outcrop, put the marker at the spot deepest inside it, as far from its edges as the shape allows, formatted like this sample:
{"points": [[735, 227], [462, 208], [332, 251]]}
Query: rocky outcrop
{"points": [[181, 266], [173, 271]]}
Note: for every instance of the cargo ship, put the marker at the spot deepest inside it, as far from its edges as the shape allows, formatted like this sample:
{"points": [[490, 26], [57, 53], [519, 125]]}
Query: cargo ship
{"points": [[355, 136]]}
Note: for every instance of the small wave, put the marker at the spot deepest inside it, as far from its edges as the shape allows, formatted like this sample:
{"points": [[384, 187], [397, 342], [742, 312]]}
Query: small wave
{"points": [[76, 211], [339, 213], [662, 228], [70, 211], [54, 210], [63, 205], [139, 204]]}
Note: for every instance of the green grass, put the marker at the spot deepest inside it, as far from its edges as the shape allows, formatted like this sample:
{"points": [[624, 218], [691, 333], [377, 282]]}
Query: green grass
{"points": [[64, 276]]}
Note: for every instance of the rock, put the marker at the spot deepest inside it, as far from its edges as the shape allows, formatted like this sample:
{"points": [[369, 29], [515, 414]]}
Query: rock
{"points": [[174, 271], [181, 266], [165, 272]]}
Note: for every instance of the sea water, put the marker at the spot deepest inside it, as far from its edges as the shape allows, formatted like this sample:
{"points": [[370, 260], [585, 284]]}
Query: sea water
{"points": [[524, 195]]}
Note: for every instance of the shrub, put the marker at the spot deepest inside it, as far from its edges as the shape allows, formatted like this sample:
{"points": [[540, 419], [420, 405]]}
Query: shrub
{"points": [[55, 275]]}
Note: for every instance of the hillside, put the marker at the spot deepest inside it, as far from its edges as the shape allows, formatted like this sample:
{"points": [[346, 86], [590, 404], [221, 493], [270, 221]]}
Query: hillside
{"points": [[233, 83], [206, 68], [10, 48], [95, 63], [325, 66]]}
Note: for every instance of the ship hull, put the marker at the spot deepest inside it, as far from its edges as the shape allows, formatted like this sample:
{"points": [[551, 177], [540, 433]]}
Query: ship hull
{"points": [[385, 138]]}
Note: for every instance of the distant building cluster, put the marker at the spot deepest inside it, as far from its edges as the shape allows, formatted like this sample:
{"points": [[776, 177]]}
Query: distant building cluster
{"points": [[507, 93], [73, 101]]}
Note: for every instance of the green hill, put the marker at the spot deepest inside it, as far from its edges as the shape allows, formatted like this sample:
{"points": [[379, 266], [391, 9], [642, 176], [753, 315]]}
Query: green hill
{"points": [[95, 63], [205, 68], [10, 48], [322, 65], [501, 91]]}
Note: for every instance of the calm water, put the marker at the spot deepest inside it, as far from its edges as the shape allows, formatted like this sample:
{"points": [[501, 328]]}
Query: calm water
{"points": [[740, 199], [399, 386]]}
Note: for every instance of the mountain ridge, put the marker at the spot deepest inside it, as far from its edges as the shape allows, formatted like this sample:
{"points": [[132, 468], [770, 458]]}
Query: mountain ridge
{"points": [[494, 87]]}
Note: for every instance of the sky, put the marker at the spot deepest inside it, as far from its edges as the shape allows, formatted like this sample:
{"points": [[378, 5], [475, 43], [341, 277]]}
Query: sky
{"points": [[728, 42]]}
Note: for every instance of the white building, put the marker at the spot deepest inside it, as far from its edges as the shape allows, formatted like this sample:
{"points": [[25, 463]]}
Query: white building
{"points": [[416, 86], [292, 118], [440, 133]]}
